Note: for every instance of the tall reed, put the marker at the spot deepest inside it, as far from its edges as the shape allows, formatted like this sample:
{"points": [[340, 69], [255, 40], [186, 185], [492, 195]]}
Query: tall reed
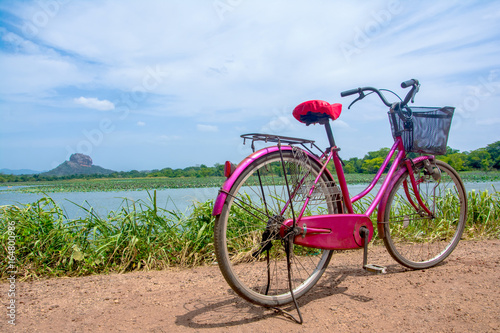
{"points": [[140, 235], [484, 215]]}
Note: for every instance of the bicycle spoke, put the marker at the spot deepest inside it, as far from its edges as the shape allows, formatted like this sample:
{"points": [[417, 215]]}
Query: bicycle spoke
{"points": [[248, 243], [415, 239]]}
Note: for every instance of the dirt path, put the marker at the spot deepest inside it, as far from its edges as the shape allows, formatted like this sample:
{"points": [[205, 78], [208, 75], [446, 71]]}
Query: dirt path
{"points": [[461, 295]]}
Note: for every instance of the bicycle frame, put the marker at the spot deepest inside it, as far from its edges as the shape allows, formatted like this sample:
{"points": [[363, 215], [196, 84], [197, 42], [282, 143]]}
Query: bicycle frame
{"points": [[342, 231], [343, 222], [400, 157]]}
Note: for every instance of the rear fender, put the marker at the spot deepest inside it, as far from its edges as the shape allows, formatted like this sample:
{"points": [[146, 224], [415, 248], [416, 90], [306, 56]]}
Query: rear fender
{"points": [[228, 184], [383, 203]]}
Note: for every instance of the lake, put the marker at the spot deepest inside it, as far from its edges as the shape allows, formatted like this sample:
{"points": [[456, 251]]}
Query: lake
{"points": [[171, 199], [104, 202]]}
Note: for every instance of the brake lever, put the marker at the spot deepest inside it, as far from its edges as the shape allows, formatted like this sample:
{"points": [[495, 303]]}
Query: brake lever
{"points": [[414, 93], [360, 97]]}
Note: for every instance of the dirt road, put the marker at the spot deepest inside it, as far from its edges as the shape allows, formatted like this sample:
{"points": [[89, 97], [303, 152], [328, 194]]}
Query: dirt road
{"points": [[460, 295]]}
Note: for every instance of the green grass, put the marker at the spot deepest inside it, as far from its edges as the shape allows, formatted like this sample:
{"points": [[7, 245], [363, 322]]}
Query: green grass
{"points": [[484, 215], [140, 235]]}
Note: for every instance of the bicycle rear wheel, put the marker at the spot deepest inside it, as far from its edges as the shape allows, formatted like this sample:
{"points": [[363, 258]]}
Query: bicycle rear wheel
{"points": [[248, 246], [412, 237]]}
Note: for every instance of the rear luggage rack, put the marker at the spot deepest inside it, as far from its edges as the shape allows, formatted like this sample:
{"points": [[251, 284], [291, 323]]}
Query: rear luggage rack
{"points": [[307, 144]]}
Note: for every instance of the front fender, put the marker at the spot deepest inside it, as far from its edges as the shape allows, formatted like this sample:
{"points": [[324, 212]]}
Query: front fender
{"points": [[228, 184], [383, 202]]}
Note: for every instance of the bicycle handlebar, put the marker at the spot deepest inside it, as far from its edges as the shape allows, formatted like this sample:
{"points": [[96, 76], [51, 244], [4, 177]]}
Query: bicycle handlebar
{"points": [[408, 83], [411, 94], [350, 92]]}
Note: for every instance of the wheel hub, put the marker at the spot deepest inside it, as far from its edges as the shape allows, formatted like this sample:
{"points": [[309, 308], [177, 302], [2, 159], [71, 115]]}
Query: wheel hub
{"points": [[271, 233], [274, 225]]}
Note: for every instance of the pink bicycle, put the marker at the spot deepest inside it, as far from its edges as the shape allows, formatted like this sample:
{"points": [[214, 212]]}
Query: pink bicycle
{"points": [[281, 213]]}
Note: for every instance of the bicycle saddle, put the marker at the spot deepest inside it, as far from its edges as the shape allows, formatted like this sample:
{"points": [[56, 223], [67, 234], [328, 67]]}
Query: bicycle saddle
{"points": [[316, 111]]}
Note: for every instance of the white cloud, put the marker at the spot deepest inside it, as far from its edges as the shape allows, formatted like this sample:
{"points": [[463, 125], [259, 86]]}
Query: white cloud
{"points": [[236, 71], [37, 74], [94, 103], [207, 128]]}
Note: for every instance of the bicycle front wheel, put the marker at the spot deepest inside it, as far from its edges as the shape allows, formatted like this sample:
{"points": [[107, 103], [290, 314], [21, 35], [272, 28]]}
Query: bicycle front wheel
{"points": [[248, 246], [412, 237]]}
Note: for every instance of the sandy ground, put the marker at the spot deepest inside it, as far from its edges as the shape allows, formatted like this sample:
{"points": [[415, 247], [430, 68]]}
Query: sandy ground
{"points": [[460, 295]]}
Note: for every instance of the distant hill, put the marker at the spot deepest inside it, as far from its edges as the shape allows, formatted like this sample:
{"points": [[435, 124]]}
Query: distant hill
{"points": [[19, 172], [78, 164]]}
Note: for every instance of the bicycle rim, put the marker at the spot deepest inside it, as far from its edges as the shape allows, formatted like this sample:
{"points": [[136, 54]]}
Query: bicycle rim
{"points": [[412, 237], [253, 260]]}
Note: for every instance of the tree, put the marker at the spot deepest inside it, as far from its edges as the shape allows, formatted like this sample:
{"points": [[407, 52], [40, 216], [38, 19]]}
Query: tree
{"points": [[352, 165], [450, 150], [479, 159], [372, 165], [456, 160], [382, 152], [374, 159], [494, 150]]}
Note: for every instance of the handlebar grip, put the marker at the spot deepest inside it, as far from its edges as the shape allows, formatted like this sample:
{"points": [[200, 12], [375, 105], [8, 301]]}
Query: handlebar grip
{"points": [[350, 92], [409, 83]]}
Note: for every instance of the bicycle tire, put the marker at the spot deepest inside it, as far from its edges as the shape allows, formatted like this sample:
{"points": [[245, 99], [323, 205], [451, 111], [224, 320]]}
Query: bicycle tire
{"points": [[240, 228], [414, 239]]}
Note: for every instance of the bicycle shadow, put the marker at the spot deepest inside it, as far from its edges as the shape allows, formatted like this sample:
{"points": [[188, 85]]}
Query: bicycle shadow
{"points": [[232, 310]]}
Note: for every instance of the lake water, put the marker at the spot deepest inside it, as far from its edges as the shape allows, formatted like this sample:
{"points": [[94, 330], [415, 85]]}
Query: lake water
{"points": [[170, 199], [104, 202]]}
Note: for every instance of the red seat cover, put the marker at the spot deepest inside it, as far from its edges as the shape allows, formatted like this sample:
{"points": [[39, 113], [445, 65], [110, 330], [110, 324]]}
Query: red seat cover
{"points": [[317, 106]]}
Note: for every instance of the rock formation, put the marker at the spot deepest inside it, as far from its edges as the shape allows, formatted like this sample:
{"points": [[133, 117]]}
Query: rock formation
{"points": [[78, 164], [81, 159]]}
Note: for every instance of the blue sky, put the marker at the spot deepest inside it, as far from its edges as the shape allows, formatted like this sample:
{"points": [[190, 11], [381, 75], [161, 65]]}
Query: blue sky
{"points": [[152, 84]]}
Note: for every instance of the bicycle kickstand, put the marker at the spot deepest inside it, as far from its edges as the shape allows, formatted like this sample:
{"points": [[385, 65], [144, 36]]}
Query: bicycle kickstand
{"points": [[288, 243], [377, 269]]}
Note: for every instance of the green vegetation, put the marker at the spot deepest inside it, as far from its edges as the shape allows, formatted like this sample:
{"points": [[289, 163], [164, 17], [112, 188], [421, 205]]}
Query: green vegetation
{"points": [[483, 160], [142, 236], [138, 236]]}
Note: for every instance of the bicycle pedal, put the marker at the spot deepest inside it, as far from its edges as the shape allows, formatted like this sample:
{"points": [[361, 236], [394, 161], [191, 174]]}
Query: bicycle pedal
{"points": [[377, 269]]}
